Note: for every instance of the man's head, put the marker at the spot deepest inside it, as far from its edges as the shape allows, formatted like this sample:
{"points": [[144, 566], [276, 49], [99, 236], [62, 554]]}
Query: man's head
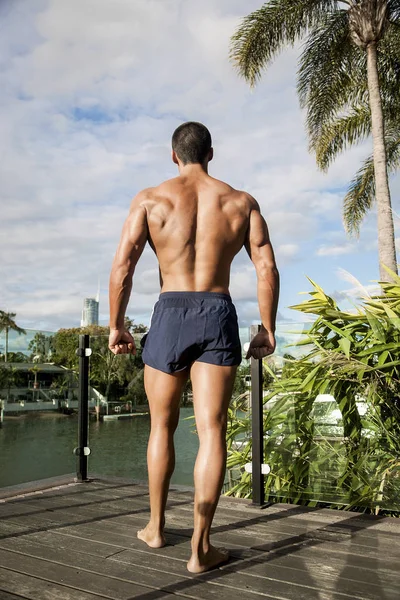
{"points": [[191, 144]]}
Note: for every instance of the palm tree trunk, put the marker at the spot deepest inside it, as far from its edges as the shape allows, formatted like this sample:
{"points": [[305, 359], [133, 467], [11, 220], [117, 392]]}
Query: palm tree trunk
{"points": [[6, 347], [386, 241]]}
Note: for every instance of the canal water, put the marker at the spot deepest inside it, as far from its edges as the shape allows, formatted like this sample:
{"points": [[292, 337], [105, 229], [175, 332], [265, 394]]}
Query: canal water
{"points": [[39, 446]]}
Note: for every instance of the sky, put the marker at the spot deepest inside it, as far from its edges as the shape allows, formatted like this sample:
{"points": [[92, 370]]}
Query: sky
{"points": [[91, 94]]}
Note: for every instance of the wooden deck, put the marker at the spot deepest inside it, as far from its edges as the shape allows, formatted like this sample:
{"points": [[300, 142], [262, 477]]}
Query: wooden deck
{"points": [[78, 542]]}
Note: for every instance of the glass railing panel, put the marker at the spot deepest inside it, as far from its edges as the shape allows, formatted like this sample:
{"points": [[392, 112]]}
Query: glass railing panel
{"points": [[38, 431], [119, 423]]}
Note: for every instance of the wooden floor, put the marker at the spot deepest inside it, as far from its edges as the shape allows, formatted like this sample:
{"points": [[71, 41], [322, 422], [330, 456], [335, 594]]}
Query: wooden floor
{"points": [[78, 542]]}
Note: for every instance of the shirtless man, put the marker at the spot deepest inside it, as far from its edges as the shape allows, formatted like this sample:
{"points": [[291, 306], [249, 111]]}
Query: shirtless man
{"points": [[196, 225]]}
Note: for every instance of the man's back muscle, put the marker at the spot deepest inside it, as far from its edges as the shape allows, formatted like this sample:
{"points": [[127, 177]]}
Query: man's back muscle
{"points": [[196, 225]]}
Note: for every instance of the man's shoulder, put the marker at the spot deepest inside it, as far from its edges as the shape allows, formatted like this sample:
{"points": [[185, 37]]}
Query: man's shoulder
{"points": [[160, 190], [228, 189], [148, 195], [240, 195]]}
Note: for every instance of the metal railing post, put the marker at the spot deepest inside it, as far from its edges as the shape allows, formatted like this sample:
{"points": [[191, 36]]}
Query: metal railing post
{"points": [[257, 426], [82, 451]]}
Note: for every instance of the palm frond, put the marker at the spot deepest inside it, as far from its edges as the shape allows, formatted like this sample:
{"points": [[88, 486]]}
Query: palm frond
{"points": [[359, 197], [361, 192], [7, 322], [264, 32], [394, 10], [339, 134], [389, 69], [329, 74]]}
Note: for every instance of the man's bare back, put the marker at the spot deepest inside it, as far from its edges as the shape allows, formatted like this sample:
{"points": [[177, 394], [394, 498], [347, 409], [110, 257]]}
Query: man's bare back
{"points": [[196, 226]]}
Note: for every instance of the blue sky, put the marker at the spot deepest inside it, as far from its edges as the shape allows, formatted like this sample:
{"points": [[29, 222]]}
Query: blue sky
{"points": [[90, 98]]}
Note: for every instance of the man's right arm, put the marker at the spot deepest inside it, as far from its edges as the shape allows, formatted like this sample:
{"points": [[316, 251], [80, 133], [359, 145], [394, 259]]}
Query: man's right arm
{"points": [[259, 248], [130, 248]]}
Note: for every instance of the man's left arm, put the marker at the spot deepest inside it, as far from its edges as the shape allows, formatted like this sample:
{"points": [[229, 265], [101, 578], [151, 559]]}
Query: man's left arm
{"points": [[131, 245]]}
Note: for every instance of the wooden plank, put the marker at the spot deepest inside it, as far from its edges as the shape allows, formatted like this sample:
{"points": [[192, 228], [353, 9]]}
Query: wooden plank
{"points": [[346, 580], [294, 515], [353, 523], [121, 579], [299, 587], [45, 502], [23, 586], [357, 568], [9, 596], [36, 504], [64, 517], [74, 578], [182, 549], [35, 486], [259, 530], [72, 544], [331, 555], [235, 539], [178, 548], [76, 490], [69, 555], [240, 538]]}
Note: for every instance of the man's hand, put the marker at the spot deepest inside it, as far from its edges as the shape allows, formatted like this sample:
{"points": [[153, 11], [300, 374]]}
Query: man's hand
{"points": [[121, 342], [263, 344]]}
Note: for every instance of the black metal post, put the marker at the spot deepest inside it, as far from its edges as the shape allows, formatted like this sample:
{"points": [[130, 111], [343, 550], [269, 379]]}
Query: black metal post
{"points": [[82, 451], [257, 426]]}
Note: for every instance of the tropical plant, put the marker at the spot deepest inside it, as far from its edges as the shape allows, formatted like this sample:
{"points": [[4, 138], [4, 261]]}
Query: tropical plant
{"points": [[9, 376], [348, 44], [17, 357], [353, 362], [35, 370], [40, 347], [109, 374], [7, 323]]}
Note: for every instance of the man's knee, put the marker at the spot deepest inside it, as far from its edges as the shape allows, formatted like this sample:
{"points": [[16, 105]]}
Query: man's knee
{"points": [[212, 426], [168, 422]]}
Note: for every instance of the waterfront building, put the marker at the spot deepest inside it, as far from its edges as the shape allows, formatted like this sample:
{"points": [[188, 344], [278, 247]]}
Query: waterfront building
{"points": [[90, 312]]}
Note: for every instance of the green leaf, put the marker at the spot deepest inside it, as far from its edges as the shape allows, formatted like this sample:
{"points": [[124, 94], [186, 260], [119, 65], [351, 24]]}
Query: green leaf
{"points": [[345, 345], [394, 318], [376, 327]]}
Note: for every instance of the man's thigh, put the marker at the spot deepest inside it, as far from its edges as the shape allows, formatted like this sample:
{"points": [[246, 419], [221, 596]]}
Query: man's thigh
{"points": [[164, 393], [212, 392]]}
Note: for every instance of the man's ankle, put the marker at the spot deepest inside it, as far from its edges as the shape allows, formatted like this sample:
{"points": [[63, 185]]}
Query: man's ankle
{"points": [[157, 523], [200, 544]]}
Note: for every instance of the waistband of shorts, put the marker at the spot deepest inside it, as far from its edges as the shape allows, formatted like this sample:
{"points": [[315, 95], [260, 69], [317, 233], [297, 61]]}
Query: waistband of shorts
{"points": [[194, 296]]}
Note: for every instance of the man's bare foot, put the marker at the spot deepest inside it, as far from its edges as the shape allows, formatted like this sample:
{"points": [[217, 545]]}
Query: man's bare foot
{"points": [[154, 538], [204, 561]]}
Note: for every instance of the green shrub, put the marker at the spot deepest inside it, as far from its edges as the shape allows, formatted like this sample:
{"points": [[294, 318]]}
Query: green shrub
{"points": [[351, 359]]}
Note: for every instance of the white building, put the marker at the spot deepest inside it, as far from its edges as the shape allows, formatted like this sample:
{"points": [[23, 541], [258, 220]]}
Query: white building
{"points": [[90, 312]]}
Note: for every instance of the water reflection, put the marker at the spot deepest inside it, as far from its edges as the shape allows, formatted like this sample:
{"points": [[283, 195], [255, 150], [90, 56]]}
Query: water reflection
{"points": [[36, 447]]}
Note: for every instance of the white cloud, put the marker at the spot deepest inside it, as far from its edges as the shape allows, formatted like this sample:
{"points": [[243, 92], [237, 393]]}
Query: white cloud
{"points": [[335, 250], [286, 253]]}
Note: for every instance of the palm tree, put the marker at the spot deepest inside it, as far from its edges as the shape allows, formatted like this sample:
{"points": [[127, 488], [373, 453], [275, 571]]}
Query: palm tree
{"points": [[7, 322], [347, 130], [347, 44]]}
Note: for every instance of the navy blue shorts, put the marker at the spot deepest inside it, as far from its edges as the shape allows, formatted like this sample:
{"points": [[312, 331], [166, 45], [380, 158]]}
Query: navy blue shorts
{"points": [[192, 326]]}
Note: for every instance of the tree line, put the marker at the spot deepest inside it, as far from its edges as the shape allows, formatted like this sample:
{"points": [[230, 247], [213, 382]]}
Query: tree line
{"points": [[115, 377]]}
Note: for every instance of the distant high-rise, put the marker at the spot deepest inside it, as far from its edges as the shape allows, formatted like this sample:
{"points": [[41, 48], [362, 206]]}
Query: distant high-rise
{"points": [[90, 312]]}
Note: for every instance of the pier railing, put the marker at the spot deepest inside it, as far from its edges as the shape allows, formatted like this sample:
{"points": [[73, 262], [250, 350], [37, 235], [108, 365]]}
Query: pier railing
{"points": [[285, 444]]}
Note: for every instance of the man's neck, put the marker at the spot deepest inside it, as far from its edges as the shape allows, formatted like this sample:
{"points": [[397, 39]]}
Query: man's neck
{"points": [[194, 169]]}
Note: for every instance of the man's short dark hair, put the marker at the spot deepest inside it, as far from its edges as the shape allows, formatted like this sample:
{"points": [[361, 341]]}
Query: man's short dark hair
{"points": [[191, 143]]}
